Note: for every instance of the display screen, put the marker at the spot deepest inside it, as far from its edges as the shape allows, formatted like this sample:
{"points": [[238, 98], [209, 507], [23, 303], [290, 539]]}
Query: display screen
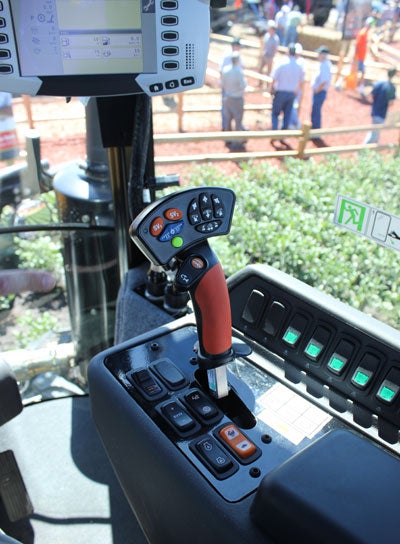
{"points": [[83, 37]]}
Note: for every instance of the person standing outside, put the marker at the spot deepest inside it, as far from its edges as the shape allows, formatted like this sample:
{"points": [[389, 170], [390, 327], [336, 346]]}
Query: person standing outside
{"points": [[383, 93], [361, 49], [294, 117], [281, 21], [269, 47], [233, 84], [287, 81], [320, 85], [293, 22]]}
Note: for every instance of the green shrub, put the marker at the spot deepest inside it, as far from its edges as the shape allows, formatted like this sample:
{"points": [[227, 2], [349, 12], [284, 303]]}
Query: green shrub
{"points": [[284, 218], [32, 325]]}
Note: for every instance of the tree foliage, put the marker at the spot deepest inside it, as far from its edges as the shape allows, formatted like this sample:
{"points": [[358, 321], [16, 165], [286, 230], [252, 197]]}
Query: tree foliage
{"points": [[284, 217]]}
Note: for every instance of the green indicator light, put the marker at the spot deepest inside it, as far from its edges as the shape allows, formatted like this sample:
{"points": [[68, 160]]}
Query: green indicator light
{"points": [[386, 393], [361, 378], [177, 241], [313, 350], [291, 336], [336, 364]]}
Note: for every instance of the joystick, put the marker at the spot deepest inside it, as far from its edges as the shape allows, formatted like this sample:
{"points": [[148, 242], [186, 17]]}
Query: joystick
{"points": [[172, 233]]}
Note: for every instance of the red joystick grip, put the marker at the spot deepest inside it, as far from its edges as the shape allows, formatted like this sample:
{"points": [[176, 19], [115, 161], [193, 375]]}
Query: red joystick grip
{"points": [[213, 313]]}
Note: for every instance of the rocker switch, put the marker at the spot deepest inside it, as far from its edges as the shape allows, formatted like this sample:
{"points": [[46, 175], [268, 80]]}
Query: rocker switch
{"points": [[147, 385], [170, 374], [178, 417], [214, 455], [201, 405]]}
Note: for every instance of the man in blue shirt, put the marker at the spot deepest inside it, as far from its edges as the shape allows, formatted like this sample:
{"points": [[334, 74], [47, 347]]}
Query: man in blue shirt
{"points": [[383, 92]]}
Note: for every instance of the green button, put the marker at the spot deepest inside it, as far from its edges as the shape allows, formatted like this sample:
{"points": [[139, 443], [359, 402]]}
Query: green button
{"points": [[336, 364], [386, 393], [291, 336], [177, 241], [361, 378], [313, 350]]}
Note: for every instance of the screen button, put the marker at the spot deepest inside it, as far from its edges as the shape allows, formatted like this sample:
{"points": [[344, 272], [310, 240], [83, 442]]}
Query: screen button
{"points": [[3, 38], [169, 4], [169, 20], [156, 87], [170, 50], [172, 84], [169, 36], [170, 65], [6, 69], [189, 80]]}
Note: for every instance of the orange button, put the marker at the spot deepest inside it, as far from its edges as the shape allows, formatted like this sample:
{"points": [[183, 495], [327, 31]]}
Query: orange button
{"points": [[236, 440], [156, 226], [173, 214]]}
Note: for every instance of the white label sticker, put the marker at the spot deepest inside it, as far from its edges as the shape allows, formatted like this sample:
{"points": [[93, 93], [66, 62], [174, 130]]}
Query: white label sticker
{"points": [[290, 415], [373, 223]]}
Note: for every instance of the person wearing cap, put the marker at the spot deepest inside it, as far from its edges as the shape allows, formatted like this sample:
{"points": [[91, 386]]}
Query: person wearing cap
{"points": [[361, 49], [320, 85], [383, 93], [287, 81], [233, 85], [270, 45], [227, 58], [281, 21]]}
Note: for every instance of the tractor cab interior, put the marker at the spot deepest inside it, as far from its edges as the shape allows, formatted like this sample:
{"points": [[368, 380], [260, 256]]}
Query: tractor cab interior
{"points": [[248, 409]]}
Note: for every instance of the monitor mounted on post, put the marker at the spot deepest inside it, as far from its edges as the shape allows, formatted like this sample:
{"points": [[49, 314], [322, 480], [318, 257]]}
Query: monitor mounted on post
{"points": [[103, 47]]}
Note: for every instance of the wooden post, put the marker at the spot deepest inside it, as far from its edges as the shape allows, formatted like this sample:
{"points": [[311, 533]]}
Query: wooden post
{"points": [[303, 139], [180, 112], [28, 109]]}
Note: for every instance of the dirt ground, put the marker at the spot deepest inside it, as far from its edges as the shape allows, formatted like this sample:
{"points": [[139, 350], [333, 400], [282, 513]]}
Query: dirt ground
{"points": [[61, 125]]}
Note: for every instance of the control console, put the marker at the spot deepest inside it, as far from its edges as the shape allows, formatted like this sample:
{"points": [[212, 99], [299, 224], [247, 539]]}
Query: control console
{"points": [[303, 445]]}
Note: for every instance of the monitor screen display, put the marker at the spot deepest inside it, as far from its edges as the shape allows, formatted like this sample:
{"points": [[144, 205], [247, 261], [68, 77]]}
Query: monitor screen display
{"points": [[83, 37]]}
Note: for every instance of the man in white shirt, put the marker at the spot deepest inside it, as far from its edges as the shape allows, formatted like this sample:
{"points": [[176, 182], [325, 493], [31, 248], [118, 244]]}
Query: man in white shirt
{"points": [[233, 84], [287, 81], [320, 85]]}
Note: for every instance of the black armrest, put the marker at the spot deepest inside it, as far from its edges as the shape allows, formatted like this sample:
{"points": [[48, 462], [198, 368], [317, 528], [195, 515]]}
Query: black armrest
{"points": [[342, 488]]}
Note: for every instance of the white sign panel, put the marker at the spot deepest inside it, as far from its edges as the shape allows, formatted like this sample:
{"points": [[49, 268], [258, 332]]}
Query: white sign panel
{"points": [[375, 224]]}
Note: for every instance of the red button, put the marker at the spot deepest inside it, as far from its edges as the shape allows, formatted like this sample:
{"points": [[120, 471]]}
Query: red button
{"points": [[173, 214], [157, 226], [237, 441]]}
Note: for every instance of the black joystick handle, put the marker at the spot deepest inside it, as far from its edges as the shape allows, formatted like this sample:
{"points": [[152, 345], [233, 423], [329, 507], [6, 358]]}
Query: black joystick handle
{"points": [[172, 233]]}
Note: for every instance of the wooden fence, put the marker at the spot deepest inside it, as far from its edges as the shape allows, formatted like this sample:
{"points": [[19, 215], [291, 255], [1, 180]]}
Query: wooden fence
{"points": [[303, 136]]}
